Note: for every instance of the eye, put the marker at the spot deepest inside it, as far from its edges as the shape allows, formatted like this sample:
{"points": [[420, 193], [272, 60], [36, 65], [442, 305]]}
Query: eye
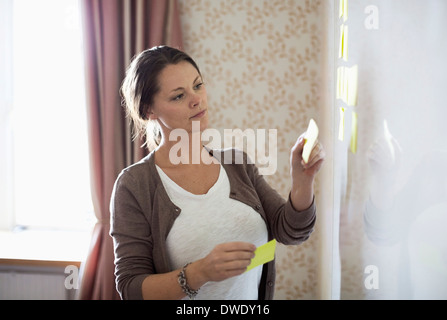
{"points": [[198, 86], [178, 97]]}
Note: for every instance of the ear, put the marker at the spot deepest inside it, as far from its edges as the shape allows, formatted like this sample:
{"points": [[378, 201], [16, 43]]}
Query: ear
{"points": [[151, 116]]}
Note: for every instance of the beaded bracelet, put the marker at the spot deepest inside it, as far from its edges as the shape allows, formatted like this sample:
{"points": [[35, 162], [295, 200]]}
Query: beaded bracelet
{"points": [[184, 284]]}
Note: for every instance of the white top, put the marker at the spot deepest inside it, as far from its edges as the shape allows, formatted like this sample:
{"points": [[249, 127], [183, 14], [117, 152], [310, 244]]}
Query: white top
{"points": [[206, 221]]}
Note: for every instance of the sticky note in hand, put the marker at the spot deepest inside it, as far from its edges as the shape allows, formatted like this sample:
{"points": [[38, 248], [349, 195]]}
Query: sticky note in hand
{"points": [[263, 254], [310, 138]]}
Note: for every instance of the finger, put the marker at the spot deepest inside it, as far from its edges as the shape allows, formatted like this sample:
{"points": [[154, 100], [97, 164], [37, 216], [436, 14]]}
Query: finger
{"points": [[238, 246], [234, 272], [313, 168], [237, 266], [314, 164], [234, 263], [299, 145], [238, 256], [316, 150], [316, 155], [227, 270]]}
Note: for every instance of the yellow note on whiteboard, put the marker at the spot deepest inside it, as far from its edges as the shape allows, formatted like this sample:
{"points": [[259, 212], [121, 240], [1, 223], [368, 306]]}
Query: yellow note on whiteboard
{"points": [[310, 138], [353, 79], [343, 9], [343, 51], [263, 254]]}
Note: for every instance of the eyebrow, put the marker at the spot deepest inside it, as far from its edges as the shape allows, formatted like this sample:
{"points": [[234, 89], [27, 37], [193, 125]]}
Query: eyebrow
{"points": [[181, 88]]}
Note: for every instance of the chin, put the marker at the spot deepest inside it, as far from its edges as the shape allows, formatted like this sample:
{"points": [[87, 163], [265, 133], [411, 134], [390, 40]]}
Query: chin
{"points": [[203, 125]]}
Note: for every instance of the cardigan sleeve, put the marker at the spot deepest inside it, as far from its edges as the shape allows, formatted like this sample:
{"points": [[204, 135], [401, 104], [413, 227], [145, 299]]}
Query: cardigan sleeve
{"points": [[287, 225], [132, 238]]}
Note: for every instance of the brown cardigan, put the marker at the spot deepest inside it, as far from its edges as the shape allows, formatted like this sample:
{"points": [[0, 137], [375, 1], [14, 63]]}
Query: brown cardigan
{"points": [[142, 215]]}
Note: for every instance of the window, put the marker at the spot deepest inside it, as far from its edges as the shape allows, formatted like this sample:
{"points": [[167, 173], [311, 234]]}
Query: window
{"points": [[48, 154]]}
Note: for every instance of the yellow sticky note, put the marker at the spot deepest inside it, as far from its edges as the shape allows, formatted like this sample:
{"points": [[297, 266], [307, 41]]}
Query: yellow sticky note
{"points": [[343, 9], [340, 45], [347, 84], [310, 139], [340, 8], [343, 52], [339, 91], [354, 131], [353, 79], [263, 254], [343, 43], [341, 126], [345, 92]]}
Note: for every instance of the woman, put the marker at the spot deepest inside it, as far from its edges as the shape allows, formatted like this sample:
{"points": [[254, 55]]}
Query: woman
{"points": [[189, 230]]}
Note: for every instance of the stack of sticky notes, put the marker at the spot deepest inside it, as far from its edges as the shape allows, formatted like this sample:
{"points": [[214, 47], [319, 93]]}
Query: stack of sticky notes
{"points": [[310, 138]]}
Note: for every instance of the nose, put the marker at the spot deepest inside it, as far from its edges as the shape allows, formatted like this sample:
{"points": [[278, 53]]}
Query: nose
{"points": [[196, 101]]}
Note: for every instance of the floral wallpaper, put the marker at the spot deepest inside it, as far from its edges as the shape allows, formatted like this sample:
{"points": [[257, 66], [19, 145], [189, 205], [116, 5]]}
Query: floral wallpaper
{"points": [[261, 62]]}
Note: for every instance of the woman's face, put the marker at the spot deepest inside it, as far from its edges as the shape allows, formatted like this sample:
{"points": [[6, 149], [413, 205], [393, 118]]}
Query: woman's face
{"points": [[181, 99]]}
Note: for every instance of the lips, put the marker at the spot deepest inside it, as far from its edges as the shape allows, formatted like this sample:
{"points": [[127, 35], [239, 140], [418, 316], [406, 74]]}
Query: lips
{"points": [[199, 115]]}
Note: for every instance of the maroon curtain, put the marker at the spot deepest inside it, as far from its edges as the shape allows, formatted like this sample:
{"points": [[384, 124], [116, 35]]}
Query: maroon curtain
{"points": [[114, 32]]}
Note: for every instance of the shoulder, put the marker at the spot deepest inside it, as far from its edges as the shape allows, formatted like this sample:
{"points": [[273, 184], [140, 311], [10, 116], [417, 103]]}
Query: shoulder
{"points": [[140, 168], [138, 176], [138, 187]]}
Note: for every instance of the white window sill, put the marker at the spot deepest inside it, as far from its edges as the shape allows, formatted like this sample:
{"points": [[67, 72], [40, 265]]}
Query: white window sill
{"points": [[44, 247]]}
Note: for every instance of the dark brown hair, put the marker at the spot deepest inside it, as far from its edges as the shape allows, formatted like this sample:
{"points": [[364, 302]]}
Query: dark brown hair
{"points": [[141, 84]]}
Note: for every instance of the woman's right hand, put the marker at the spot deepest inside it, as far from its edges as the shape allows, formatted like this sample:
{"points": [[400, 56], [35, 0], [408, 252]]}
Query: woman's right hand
{"points": [[226, 260]]}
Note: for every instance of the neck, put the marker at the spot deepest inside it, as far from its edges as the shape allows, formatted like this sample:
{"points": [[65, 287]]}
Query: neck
{"points": [[186, 149]]}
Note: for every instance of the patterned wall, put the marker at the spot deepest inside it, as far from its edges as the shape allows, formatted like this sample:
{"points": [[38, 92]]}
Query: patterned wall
{"points": [[261, 62]]}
